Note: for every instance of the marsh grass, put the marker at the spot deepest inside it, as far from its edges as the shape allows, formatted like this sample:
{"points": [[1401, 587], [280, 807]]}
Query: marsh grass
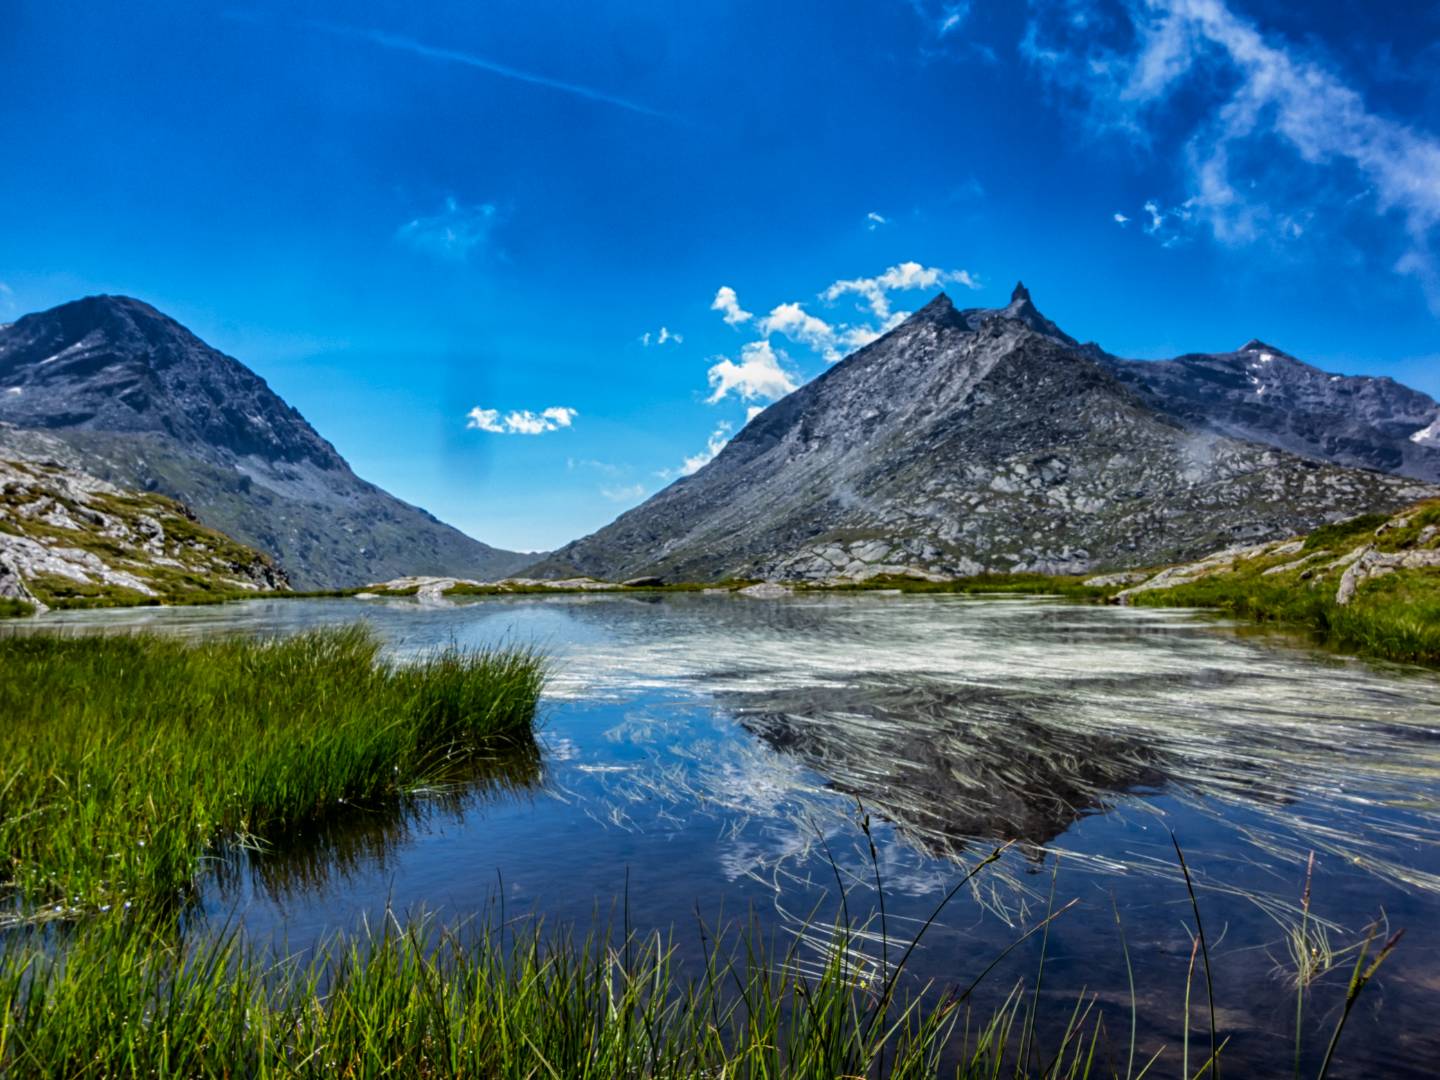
{"points": [[119, 996], [126, 761]]}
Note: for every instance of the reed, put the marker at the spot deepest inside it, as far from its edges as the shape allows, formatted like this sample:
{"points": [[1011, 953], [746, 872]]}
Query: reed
{"points": [[126, 761]]}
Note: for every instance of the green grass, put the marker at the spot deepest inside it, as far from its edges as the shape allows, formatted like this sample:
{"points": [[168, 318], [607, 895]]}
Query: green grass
{"points": [[126, 761], [1392, 617], [11, 608], [121, 997], [1072, 586]]}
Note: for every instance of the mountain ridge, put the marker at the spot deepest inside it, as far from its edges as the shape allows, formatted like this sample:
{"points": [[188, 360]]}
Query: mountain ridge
{"points": [[147, 405], [963, 442]]}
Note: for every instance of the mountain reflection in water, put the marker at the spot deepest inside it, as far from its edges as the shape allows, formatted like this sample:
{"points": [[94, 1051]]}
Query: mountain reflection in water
{"points": [[950, 766]]}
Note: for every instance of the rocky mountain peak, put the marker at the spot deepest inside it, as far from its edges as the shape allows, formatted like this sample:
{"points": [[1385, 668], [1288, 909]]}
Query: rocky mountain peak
{"points": [[941, 309], [1256, 345], [1019, 293]]}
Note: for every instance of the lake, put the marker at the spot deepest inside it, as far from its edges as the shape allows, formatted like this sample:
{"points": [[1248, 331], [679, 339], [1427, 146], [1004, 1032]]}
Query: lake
{"points": [[712, 757]]}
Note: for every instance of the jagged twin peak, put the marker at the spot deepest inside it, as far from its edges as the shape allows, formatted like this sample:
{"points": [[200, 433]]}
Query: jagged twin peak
{"points": [[988, 440], [142, 402]]}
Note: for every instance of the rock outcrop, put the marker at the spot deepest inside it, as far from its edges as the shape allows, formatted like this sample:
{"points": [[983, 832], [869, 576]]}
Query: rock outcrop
{"points": [[1408, 541], [69, 537]]}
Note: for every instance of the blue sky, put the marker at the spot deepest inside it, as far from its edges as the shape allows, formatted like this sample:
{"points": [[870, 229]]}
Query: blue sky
{"points": [[443, 231]]}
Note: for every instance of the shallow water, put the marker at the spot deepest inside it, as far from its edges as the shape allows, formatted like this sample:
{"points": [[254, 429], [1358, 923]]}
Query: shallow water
{"points": [[711, 756]]}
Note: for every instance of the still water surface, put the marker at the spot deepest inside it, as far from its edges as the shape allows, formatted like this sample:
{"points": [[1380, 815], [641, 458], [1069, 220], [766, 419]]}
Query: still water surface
{"points": [[710, 756]]}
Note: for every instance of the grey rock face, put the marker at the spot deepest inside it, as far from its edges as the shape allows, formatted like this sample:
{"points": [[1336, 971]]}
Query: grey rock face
{"points": [[965, 441], [66, 533], [142, 402], [1262, 394]]}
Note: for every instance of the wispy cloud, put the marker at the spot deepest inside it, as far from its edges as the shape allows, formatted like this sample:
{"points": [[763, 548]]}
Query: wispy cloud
{"points": [[455, 56], [728, 304], [452, 233], [626, 494], [713, 445], [604, 467], [873, 220], [1121, 219], [520, 421], [944, 17], [1254, 149], [664, 336]]}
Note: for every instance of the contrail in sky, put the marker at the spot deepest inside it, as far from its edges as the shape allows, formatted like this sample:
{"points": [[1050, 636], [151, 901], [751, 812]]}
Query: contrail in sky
{"points": [[454, 56]]}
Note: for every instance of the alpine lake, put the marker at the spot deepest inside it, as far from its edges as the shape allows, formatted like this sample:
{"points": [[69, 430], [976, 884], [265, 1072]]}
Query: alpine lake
{"points": [[706, 759]]}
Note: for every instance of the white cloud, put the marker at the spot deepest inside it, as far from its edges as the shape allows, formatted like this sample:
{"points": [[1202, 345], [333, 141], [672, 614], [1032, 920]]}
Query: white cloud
{"points": [[758, 375], [753, 411], [901, 278], [874, 220], [1274, 98], [451, 234], [520, 421], [798, 325], [713, 445], [625, 494], [726, 301], [1121, 219], [663, 337]]}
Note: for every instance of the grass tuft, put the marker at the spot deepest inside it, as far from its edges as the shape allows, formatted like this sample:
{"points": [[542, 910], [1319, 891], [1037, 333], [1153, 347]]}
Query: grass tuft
{"points": [[126, 760]]}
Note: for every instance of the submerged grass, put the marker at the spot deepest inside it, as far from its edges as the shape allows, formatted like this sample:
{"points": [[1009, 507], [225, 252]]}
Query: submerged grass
{"points": [[125, 761]]}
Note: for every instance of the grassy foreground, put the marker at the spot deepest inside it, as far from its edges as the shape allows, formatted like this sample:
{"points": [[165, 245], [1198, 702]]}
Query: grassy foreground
{"points": [[125, 761], [119, 997]]}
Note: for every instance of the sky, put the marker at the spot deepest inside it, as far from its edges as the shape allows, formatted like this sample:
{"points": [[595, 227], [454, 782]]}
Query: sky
{"points": [[526, 262]]}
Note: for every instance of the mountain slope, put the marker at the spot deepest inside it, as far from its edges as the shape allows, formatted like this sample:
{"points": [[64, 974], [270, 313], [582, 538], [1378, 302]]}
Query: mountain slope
{"points": [[145, 404], [1260, 393], [965, 441], [69, 538]]}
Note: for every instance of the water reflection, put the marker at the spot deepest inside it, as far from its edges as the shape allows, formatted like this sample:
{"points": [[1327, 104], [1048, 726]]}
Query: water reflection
{"points": [[708, 751], [359, 839], [951, 766]]}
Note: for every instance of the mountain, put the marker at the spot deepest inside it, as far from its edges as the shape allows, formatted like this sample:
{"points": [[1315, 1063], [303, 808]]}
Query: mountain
{"points": [[1261, 393], [969, 441], [145, 404], [70, 539]]}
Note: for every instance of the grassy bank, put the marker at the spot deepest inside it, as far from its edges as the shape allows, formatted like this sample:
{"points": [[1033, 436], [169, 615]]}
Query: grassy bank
{"points": [[124, 761], [1068, 585], [1394, 615]]}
